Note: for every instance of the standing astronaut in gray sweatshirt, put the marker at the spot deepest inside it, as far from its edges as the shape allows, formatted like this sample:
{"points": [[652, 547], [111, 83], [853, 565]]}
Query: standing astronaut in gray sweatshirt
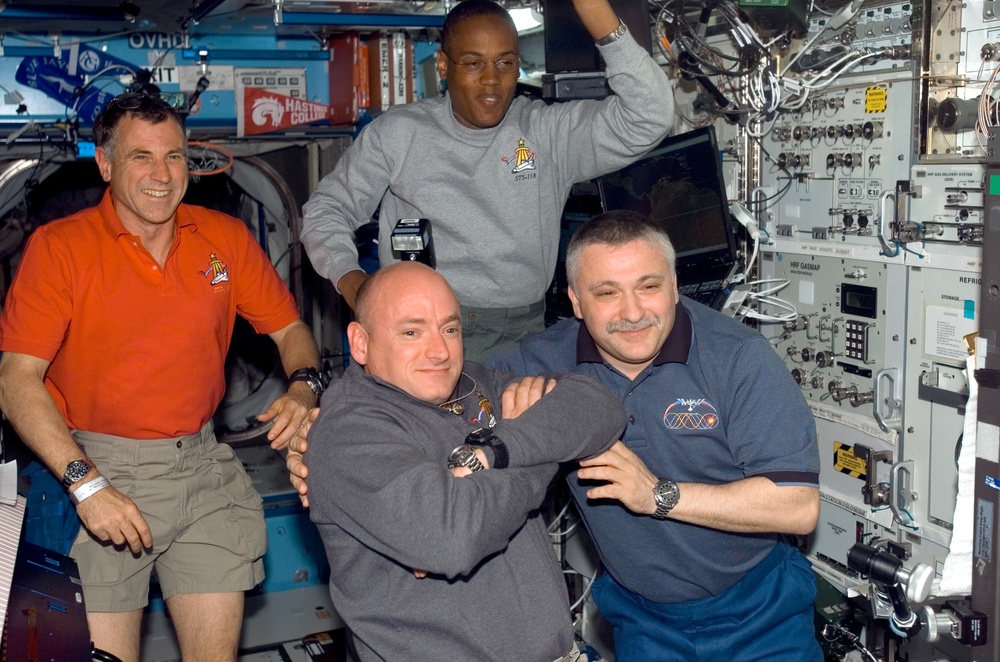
{"points": [[389, 509], [492, 178]]}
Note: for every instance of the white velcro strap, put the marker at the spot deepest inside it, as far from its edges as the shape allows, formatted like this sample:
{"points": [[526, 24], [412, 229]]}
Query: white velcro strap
{"points": [[88, 489]]}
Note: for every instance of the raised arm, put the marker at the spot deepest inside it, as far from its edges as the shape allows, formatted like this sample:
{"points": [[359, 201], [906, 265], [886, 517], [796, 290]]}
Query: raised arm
{"points": [[598, 17], [596, 137]]}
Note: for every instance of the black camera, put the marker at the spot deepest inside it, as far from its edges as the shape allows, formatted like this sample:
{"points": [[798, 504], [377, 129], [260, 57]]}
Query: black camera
{"points": [[411, 241]]}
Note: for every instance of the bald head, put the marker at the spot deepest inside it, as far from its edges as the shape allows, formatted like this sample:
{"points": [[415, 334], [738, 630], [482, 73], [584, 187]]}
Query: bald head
{"points": [[393, 279], [408, 331]]}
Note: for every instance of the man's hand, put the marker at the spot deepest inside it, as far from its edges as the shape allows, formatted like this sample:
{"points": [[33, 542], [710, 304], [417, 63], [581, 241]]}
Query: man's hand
{"points": [[110, 515], [349, 284], [289, 413], [297, 470], [626, 479], [459, 472], [518, 396]]}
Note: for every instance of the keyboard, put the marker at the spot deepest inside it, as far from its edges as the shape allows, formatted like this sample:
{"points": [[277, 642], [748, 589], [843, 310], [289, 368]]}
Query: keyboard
{"points": [[710, 293]]}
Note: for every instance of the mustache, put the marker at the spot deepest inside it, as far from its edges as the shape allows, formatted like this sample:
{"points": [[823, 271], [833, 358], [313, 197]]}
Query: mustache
{"points": [[643, 323]]}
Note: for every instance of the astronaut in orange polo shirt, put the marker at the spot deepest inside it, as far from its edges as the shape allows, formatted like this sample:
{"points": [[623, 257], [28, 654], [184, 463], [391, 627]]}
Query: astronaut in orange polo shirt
{"points": [[114, 337]]}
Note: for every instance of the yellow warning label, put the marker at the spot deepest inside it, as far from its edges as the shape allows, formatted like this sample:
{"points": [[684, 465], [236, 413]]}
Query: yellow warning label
{"points": [[845, 461], [875, 99]]}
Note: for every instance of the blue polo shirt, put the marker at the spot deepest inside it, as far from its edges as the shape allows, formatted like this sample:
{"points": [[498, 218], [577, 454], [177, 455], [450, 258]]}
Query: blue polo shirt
{"points": [[715, 406]]}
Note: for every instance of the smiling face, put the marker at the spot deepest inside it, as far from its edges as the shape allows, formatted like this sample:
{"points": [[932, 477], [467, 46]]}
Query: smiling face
{"points": [[147, 172], [480, 99], [626, 295], [409, 333]]}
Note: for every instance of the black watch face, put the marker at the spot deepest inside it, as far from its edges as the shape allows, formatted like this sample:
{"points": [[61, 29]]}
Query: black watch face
{"points": [[75, 471], [667, 494], [311, 377]]}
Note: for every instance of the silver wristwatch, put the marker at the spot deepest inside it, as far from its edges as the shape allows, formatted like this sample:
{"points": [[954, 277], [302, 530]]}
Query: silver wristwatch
{"points": [[614, 36], [465, 456], [75, 471], [666, 494]]}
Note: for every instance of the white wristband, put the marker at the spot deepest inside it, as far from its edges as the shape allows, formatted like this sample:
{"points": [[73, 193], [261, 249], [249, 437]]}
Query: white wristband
{"points": [[88, 489]]}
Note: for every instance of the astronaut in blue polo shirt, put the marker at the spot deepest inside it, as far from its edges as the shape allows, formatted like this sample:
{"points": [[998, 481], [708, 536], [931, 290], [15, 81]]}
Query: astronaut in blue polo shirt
{"points": [[718, 462]]}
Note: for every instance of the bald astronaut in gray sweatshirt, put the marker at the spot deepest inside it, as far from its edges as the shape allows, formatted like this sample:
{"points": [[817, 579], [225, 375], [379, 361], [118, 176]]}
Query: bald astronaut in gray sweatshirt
{"points": [[389, 509]]}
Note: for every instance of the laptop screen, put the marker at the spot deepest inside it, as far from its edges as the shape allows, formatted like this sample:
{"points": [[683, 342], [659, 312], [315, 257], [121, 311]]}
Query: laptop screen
{"points": [[679, 186]]}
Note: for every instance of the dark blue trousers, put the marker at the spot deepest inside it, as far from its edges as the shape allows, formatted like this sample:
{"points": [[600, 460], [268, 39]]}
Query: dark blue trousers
{"points": [[767, 615]]}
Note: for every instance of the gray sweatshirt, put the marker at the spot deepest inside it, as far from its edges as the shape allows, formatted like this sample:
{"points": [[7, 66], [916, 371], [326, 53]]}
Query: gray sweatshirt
{"points": [[494, 210], [385, 503]]}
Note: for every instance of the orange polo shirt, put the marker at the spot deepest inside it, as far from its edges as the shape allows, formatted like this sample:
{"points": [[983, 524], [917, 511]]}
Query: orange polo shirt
{"points": [[137, 350]]}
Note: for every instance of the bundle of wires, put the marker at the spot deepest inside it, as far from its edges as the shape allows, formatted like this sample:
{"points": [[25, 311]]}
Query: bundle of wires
{"points": [[750, 65]]}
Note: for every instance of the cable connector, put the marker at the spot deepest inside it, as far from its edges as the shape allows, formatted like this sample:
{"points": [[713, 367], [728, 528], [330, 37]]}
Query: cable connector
{"points": [[746, 219], [792, 86], [844, 15]]}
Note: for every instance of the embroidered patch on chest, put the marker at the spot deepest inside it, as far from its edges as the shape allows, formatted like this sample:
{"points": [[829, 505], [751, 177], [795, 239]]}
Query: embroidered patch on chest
{"points": [[690, 414], [217, 270], [522, 160]]}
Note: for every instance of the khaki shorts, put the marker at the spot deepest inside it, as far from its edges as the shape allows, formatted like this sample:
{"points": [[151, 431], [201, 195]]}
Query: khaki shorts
{"points": [[205, 515]]}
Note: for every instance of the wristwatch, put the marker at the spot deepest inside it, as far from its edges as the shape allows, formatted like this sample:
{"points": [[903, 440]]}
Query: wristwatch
{"points": [[75, 471], [311, 377], [666, 494], [485, 437], [465, 456], [614, 36]]}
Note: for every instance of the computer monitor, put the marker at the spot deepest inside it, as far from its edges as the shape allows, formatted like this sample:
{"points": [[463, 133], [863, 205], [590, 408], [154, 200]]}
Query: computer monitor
{"points": [[568, 45], [680, 187]]}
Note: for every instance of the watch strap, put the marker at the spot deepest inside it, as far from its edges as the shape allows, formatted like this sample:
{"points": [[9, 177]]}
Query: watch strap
{"points": [[486, 437], [465, 456], [88, 489], [613, 36], [310, 376]]}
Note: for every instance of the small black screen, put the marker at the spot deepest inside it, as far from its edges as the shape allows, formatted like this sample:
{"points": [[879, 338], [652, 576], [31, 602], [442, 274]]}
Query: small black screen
{"points": [[568, 45]]}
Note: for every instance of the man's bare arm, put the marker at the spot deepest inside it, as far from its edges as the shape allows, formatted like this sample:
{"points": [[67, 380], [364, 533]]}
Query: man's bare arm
{"points": [[597, 16], [289, 412], [349, 284], [108, 513]]}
